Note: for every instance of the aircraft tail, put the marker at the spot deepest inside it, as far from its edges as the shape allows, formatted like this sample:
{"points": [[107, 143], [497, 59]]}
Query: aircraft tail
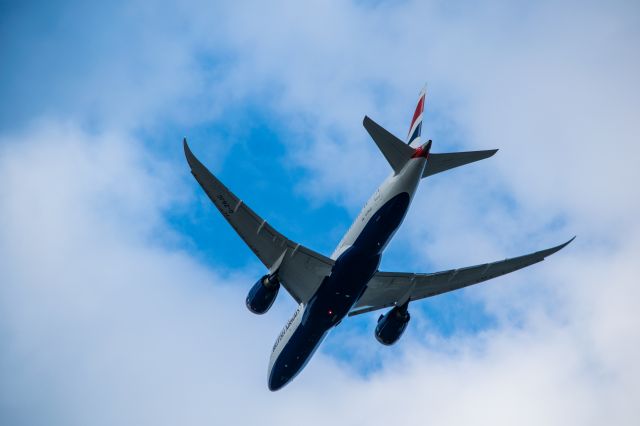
{"points": [[398, 152], [413, 137], [394, 150]]}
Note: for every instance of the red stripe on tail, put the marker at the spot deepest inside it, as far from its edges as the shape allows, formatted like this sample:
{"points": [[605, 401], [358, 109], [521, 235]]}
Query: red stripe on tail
{"points": [[416, 114]]}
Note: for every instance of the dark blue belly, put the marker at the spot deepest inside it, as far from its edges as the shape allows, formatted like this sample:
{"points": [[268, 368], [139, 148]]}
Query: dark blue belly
{"points": [[383, 224], [295, 355], [354, 268], [338, 292]]}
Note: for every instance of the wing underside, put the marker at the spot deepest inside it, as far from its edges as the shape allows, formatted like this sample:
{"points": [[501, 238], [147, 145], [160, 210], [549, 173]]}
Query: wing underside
{"points": [[300, 269], [388, 288]]}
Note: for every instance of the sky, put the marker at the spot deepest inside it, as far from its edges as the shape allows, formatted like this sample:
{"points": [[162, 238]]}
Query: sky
{"points": [[122, 288]]}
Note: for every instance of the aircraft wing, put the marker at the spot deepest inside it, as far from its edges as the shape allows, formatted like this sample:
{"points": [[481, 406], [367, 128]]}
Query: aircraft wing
{"points": [[389, 288], [300, 269]]}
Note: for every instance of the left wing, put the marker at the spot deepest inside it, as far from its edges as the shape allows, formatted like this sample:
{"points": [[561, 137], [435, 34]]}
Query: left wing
{"points": [[299, 269], [389, 288]]}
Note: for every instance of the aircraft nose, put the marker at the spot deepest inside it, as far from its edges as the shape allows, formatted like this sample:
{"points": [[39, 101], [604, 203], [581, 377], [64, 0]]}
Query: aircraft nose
{"points": [[277, 380]]}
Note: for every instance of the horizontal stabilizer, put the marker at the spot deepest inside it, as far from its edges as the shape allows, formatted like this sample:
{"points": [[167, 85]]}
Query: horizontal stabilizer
{"points": [[440, 162], [394, 150]]}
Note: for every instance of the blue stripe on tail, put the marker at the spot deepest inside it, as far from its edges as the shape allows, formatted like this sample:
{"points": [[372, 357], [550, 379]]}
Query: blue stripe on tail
{"points": [[416, 133]]}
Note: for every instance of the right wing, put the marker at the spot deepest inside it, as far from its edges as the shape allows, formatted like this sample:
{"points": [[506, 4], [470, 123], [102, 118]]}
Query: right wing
{"points": [[300, 269], [390, 288]]}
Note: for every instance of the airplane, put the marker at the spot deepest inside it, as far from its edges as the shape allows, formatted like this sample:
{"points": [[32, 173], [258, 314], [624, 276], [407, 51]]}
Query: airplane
{"points": [[348, 283]]}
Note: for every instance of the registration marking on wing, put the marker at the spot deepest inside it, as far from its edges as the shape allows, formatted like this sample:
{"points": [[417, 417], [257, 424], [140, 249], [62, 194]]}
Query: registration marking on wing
{"points": [[225, 207]]}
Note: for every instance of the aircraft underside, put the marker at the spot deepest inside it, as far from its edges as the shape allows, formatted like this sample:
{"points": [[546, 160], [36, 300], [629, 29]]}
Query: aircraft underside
{"points": [[327, 289], [339, 291]]}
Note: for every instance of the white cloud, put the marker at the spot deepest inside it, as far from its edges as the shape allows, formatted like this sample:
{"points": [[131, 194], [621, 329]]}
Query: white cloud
{"points": [[101, 323]]}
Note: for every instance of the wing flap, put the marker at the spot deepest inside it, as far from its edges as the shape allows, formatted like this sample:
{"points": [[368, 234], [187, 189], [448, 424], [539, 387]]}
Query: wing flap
{"points": [[301, 270], [386, 288]]}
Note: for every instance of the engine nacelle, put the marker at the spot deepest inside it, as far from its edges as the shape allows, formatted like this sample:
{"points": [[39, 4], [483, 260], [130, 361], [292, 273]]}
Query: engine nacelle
{"points": [[262, 294], [392, 324]]}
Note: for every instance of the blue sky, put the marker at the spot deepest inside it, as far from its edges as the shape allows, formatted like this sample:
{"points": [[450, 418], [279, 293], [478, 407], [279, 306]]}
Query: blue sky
{"points": [[122, 288]]}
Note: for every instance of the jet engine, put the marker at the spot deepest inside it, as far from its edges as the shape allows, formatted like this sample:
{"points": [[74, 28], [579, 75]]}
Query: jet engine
{"points": [[392, 324], [262, 294]]}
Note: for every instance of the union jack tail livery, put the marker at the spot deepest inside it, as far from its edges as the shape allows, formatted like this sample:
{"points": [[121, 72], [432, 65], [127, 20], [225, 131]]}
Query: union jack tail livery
{"points": [[413, 137]]}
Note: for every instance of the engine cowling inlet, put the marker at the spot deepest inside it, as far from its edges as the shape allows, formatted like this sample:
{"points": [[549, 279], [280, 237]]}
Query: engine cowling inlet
{"points": [[262, 294], [392, 324]]}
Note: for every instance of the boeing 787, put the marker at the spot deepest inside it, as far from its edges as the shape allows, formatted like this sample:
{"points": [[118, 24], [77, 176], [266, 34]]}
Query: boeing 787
{"points": [[327, 289]]}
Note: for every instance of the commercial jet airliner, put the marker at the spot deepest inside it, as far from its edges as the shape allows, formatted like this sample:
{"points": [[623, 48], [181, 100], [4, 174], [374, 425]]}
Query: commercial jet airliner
{"points": [[327, 289]]}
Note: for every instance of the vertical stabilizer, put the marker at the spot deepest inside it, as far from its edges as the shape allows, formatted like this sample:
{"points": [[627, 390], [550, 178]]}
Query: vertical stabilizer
{"points": [[413, 137]]}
